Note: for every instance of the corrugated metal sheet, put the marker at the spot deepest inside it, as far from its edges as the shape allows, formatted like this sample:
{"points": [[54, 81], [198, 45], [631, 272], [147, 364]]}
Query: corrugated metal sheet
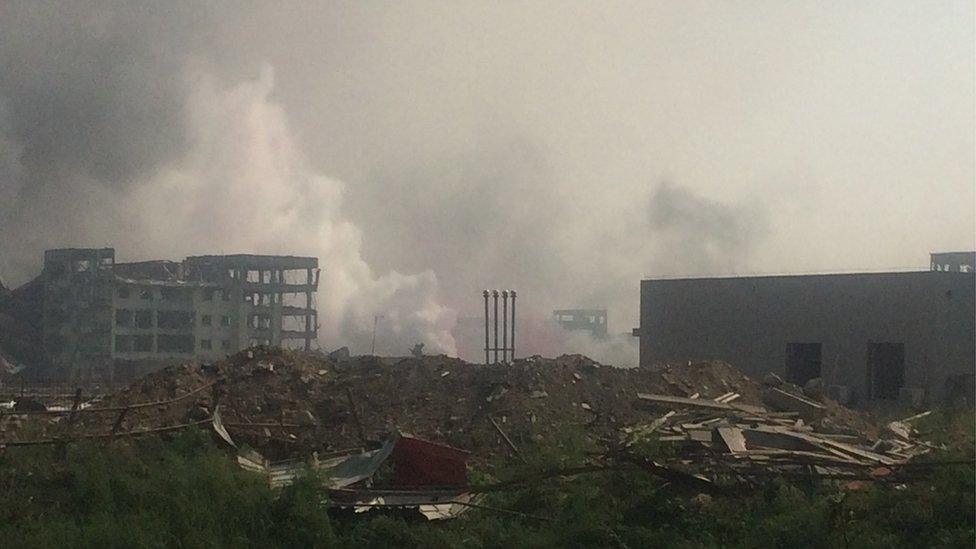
{"points": [[219, 427], [432, 506], [421, 463], [355, 468], [417, 463]]}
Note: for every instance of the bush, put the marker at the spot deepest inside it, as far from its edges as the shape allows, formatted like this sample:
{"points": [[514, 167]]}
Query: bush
{"points": [[185, 492]]}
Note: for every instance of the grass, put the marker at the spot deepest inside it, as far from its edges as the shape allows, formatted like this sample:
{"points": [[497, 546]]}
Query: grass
{"points": [[185, 491]]}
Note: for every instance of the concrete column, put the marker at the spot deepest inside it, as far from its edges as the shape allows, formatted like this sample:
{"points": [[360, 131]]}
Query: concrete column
{"points": [[308, 310]]}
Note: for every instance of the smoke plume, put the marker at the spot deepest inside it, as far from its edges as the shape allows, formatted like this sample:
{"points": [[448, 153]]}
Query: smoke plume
{"points": [[159, 158], [427, 150]]}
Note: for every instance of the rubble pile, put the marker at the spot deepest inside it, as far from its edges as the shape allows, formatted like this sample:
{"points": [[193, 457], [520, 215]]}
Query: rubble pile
{"points": [[286, 404], [790, 433]]}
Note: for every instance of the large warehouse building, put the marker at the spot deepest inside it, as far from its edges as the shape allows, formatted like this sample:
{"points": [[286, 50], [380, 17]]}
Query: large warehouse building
{"points": [[901, 335]]}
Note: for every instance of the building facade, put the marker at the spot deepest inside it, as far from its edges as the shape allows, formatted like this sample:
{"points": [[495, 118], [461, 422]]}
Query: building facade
{"points": [[593, 321], [960, 262], [101, 317], [867, 336]]}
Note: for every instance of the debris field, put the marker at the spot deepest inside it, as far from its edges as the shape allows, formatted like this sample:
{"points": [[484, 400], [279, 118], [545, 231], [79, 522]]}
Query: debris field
{"points": [[285, 405]]}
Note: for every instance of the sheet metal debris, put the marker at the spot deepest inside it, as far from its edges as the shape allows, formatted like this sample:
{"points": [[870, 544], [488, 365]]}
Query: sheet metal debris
{"points": [[422, 471]]}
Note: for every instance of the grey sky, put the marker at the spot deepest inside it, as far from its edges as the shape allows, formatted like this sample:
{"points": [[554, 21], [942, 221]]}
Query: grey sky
{"points": [[562, 148]]}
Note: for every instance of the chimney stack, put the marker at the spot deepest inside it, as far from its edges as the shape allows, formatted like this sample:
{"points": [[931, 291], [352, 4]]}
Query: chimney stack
{"points": [[507, 346]]}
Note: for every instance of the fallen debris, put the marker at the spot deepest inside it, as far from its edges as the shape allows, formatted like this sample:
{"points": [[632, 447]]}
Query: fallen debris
{"points": [[697, 402], [716, 439], [281, 404], [430, 478], [788, 402]]}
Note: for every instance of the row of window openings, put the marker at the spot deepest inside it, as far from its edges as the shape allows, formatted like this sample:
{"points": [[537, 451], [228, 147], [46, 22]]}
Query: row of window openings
{"points": [[179, 319], [207, 344], [582, 319], [256, 321], [164, 343], [166, 294], [165, 319], [177, 294], [260, 276], [963, 268]]}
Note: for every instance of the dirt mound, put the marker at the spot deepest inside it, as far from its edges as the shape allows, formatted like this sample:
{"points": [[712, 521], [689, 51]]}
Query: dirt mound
{"points": [[287, 403]]}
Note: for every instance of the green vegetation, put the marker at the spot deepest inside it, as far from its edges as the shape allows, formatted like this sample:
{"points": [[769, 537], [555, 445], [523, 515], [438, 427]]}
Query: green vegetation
{"points": [[185, 491]]}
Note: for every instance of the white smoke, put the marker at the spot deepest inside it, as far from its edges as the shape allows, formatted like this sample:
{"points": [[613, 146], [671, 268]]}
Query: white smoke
{"points": [[245, 187]]}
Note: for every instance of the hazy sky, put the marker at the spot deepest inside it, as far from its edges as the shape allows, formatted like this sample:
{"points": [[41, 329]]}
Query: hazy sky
{"points": [[426, 150]]}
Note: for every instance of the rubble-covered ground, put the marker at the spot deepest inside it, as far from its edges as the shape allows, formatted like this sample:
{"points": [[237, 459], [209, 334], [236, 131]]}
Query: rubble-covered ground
{"points": [[287, 404], [569, 486]]}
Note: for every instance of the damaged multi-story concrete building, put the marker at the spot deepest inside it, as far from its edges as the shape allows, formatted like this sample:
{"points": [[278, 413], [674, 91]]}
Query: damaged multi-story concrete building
{"points": [[593, 321], [868, 336], [103, 318]]}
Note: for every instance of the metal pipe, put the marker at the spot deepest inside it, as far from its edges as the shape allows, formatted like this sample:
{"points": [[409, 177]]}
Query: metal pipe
{"points": [[504, 326], [512, 293], [485, 293], [494, 295]]}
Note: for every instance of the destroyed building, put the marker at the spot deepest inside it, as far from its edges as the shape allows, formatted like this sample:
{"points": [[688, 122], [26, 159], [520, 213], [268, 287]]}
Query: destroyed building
{"points": [[103, 318], [870, 336], [593, 321], [961, 262]]}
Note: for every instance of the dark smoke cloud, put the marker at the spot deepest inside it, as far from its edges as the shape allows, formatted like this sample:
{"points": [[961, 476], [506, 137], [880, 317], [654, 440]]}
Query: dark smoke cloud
{"points": [[91, 103], [118, 130], [426, 150], [94, 89], [704, 236]]}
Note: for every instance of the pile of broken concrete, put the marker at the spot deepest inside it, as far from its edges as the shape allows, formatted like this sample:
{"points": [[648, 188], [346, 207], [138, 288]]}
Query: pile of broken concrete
{"points": [[285, 405]]}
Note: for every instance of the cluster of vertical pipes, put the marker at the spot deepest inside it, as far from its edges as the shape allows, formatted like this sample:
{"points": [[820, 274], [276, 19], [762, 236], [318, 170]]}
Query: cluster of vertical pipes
{"points": [[507, 347]]}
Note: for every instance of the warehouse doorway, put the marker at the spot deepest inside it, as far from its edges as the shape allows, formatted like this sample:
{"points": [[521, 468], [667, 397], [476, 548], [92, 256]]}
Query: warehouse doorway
{"points": [[886, 370], [803, 362]]}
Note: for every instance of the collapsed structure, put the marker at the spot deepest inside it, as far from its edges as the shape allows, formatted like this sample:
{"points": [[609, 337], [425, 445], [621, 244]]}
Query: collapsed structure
{"points": [[286, 414], [868, 336], [102, 318], [593, 321]]}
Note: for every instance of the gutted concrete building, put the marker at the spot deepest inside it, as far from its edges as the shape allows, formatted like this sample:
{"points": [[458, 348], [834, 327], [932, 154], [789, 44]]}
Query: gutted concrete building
{"points": [[960, 262], [884, 336], [593, 321], [101, 317]]}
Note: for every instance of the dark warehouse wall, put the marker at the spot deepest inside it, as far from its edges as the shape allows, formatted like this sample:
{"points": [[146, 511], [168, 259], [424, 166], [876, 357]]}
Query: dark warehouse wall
{"points": [[749, 322]]}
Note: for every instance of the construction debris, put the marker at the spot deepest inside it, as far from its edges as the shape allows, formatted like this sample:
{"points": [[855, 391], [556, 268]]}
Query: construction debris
{"points": [[716, 440], [284, 403], [429, 478], [334, 414], [779, 399]]}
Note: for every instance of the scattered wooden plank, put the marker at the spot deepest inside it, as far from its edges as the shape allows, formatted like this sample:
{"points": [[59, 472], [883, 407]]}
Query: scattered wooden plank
{"points": [[779, 399], [850, 449], [916, 416], [771, 454], [733, 438], [699, 403], [723, 396], [840, 437], [900, 429], [657, 423], [508, 441]]}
